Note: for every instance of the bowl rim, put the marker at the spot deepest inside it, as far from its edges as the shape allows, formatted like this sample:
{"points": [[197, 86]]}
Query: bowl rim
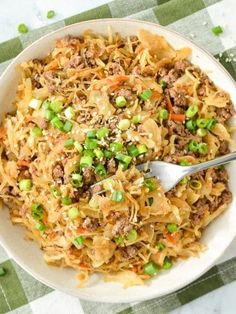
{"points": [[106, 299]]}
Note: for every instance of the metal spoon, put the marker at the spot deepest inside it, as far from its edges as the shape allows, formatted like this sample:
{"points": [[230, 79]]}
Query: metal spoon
{"points": [[170, 174]]}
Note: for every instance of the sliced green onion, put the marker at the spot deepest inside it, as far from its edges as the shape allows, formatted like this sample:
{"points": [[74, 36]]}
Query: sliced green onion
{"points": [[69, 143], [57, 123], [55, 192], [191, 125], [25, 184], [102, 133], [202, 132], [124, 158], [167, 263], [202, 123], [202, 148], [91, 134], [22, 28], [132, 235], [195, 184], [50, 14], [36, 132], [37, 211], [76, 180], [49, 115], [116, 147], [2, 271], [122, 166], [217, 30], [160, 246], [66, 200], [146, 94], [184, 181], [193, 146], [150, 268], [142, 149], [40, 227], [119, 240], [35, 103], [211, 124], [121, 101], [172, 228], [73, 213], [56, 106], [100, 170], [108, 154], [163, 114], [91, 143], [46, 104], [67, 127], [150, 201], [136, 119], [89, 152], [118, 196], [86, 161], [133, 151], [163, 84], [124, 124], [98, 153], [184, 162], [69, 113], [151, 184], [78, 146], [79, 240], [191, 111]]}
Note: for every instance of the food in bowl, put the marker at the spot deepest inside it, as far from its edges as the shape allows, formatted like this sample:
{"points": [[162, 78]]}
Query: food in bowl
{"points": [[95, 107]]}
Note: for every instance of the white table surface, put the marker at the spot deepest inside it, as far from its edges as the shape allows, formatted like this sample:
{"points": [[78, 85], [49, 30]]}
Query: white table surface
{"points": [[33, 13]]}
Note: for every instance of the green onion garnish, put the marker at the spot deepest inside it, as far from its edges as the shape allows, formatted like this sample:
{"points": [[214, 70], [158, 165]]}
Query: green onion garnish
{"points": [[37, 211], [217, 30], [69, 143], [78, 146], [102, 133], [193, 146], [91, 143], [172, 228], [86, 161], [36, 131], [136, 119], [89, 152], [142, 149], [22, 28], [133, 151], [163, 84], [167, 263], [69, 113], [184, 162], [118, 196], [125, 159], [56, 106], [202, 123], [191, 111], [201, 132], [67, 126], [91, 134], [184, 181], [40, 227], [116, 147], [160, 246], [146, 94], [55, 192], [57, 123], [132, 235], [191, 125], [49, 115], [202, 148], [108, 154], [163, 114], [211, 124], [73, 213], [76, 180], [46, 104], [100, 170], [50, 14], [79, 240], [121, 101], [150, 268], [66, 200], [25, 184], [151, 184], [98, 153]]}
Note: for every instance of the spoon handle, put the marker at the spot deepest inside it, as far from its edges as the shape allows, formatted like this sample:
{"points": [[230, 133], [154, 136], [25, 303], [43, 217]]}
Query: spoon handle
{"points": [[211, 163]]}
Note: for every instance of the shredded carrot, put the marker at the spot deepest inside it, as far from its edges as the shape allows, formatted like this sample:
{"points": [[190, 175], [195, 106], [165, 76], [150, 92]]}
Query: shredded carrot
{"points": [[3, 132], [169, 104], [81, 230], [172, 237], [177, 117], [156, 96], [83, 265], [23, 163]]}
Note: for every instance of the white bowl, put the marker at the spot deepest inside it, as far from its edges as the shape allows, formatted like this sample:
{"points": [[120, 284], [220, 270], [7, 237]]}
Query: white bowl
{"points": [[218, 235]]}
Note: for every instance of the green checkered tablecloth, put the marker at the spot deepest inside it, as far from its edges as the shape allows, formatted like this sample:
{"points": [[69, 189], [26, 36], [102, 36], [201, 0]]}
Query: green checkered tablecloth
{"points": [[19, 292]]}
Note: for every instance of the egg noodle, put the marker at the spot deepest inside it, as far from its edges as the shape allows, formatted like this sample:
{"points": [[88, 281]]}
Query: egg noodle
{"points": [[94, 107]]}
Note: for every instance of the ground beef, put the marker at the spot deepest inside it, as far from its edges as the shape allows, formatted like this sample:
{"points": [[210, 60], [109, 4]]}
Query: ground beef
{"points": [[201, 91], [88, 176], [84, 116], [75, 62], [178, 98], [121, 227], [58, 174], [136, 70], [43, 123], [111, 166], [176, 128], [124, 92], [219, 175], [128, 252], [224, 148], [96, 189], [223, 114], [170, 77], [182, 65], [114, 68], [201, 206], [90, 223]]}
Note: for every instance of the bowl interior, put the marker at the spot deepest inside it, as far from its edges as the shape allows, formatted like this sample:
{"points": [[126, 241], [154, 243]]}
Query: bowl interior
{"points": [[218, 235]]}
